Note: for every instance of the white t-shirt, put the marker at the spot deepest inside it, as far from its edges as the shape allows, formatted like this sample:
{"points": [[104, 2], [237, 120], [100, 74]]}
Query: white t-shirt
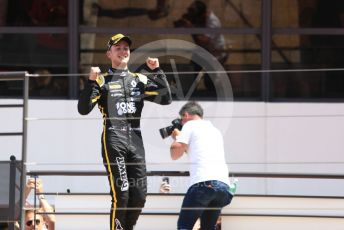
{"points": [[205, 151], [217, 40]]}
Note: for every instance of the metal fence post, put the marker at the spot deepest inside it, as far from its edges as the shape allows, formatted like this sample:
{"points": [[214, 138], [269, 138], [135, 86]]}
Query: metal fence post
{"points": [[12, 192], [24, 149]]}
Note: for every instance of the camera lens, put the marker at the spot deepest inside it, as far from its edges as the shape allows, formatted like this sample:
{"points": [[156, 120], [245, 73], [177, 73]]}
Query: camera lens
{"points": [[165, 132]]}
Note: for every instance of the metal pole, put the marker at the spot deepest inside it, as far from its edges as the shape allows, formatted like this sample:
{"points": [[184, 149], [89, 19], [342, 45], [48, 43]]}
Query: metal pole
{"points": [[266, 48], [12, 190], [24, 150], [12, 76], [73, 47]]}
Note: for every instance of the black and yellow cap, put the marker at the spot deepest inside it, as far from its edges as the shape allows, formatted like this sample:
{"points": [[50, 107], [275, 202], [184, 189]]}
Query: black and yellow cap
{"points": [[117, 38]]}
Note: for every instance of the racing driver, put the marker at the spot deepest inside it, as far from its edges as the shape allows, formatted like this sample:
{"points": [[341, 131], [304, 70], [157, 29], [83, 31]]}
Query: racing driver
{"points": [[120, 96]]}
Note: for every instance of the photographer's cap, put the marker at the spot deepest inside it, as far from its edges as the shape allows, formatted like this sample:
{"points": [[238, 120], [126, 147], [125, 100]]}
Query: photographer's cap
{"points": [[117, 38]]}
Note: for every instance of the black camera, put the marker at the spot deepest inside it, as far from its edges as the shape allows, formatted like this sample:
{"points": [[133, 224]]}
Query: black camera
{"points": [[167, 131], [166, 179], [183, 21], [194, 17]]}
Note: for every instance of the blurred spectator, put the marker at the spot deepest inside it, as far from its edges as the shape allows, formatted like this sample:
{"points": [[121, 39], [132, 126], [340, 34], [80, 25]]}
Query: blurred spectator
{"points": [[199, 16], [165, 186], [45, 85], [161, 10], [34, 221], [42, 85], [42, 221], [50, 13], [3, 226]]}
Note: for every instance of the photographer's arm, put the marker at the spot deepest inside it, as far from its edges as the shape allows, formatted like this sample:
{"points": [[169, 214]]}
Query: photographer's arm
{"points": [[177, 149]]}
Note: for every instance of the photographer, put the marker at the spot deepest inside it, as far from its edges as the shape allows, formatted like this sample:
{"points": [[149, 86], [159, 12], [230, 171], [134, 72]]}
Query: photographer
{"points": [[209, 190]]}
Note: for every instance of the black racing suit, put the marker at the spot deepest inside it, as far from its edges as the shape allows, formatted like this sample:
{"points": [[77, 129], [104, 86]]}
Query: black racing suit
{"points": [[120, 95]]}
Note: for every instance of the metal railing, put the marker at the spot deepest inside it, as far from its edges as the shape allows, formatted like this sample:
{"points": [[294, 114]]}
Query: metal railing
{"points": [[10, 211], [20, 76], [14, 166], [330, 176], [184, 173]]}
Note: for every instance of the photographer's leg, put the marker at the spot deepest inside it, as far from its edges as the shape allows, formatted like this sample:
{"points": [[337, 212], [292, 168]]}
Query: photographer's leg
{"points": [[192, 207], [209, 218]]}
